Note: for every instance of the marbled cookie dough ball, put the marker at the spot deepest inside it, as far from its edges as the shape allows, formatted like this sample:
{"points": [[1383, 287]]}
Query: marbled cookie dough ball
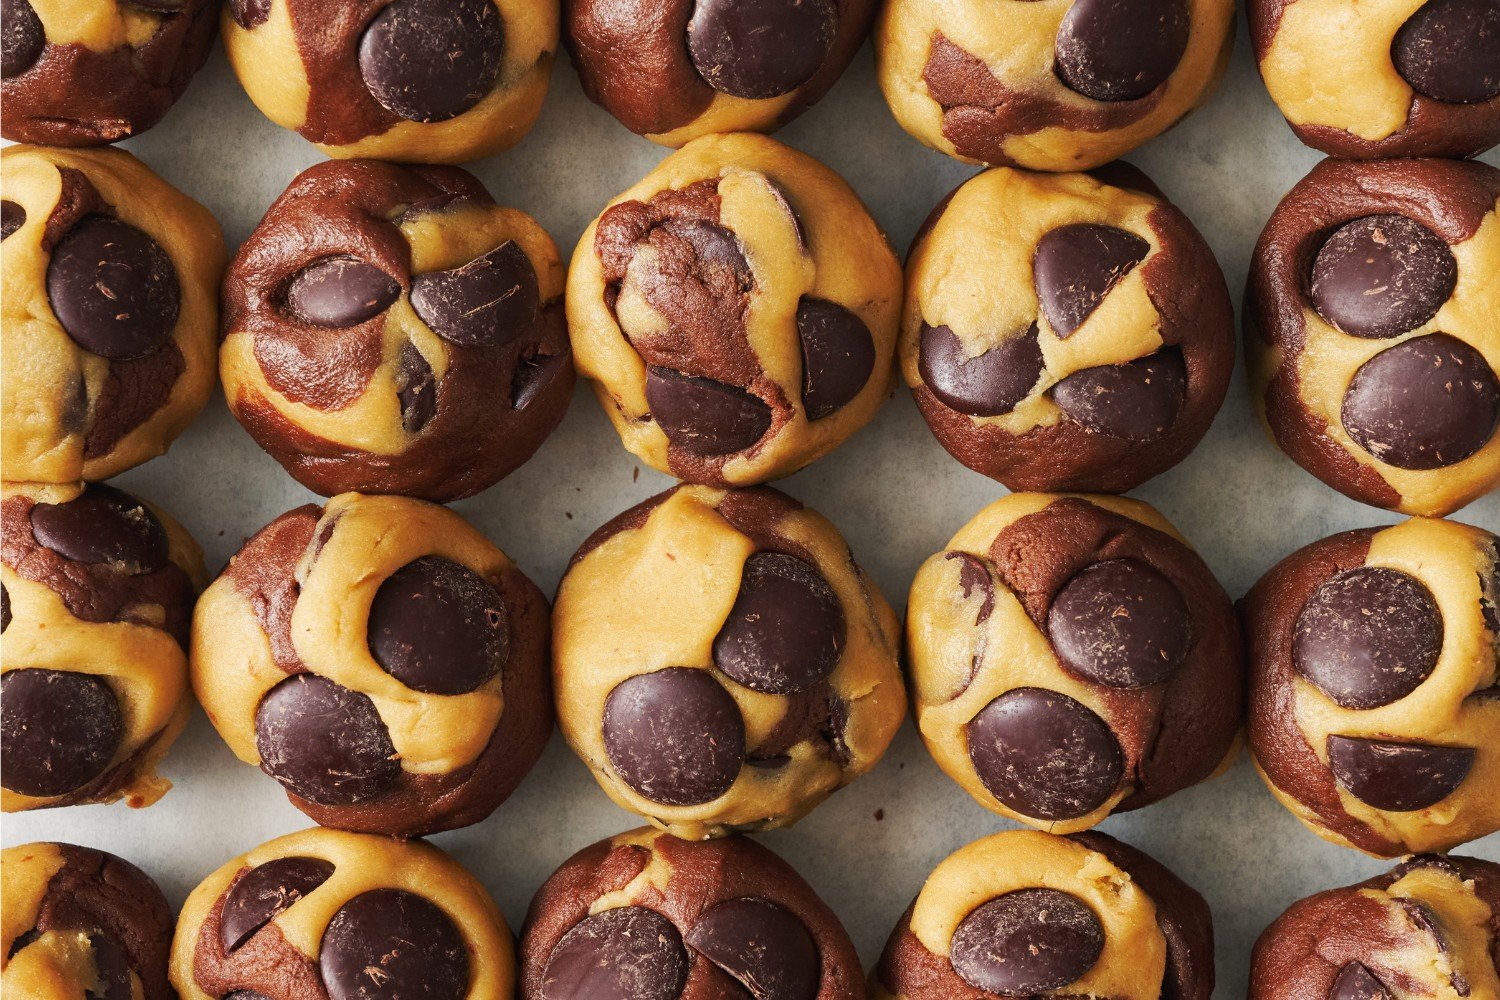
{"points": [[1372, 341], [110, 312], [1072, 657], [720, 661], [392, 330], [645, 916], [736, 312], [330, 915], [424, 81], [380, 659], [1025, 914], [95, 606], [1374, 692], [1065, 332]]}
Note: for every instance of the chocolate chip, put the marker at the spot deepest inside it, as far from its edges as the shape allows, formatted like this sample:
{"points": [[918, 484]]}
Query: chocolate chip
{"points": [[60, 730], [1027, 942], [1075, 266], [324, 742], [1355, 983], [1136, 401], [838, 355], [112, 972], [1382, 275], [1423, 404], [1398, 777], [339, 292], [786, 629], [416, 390], [1449, 50], [1121, 50], [487, 302], [4, 608], [259, 895], [1120, 623], [763, 946], [103, 526], [22, 38], [390, 943], [760, 48], [21, 941], [704, 417], [432, 60], [625, 953], [250, 14], [532, 375], [986, 385], [1044, 755], [438, 627], [675, 736], [12, 217], [113, 289]]}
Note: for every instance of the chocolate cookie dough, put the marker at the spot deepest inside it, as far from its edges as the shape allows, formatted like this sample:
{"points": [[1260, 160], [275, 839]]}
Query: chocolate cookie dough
{"points": [[645, 916], [393, 330], [1052, 85], [1374, 694], [1025, 914], [330, 915], [1065, 332], [1072, 657], [1371, 334], [721, 663], [1430, 927], [97, 591], [110, 312], [736, 311], [81, 923], [422, 81], [380, 659]]}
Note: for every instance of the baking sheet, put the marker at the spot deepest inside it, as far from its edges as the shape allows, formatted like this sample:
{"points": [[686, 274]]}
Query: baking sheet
{"points": [[894, 493]]}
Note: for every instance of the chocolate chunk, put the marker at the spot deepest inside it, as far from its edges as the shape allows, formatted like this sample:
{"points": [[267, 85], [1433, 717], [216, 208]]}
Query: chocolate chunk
{"points": [[438, 627], [626, 953], [103, 526], [1398, 777], [340, 291], [12, 217], [1027, 942], [250, 14], [675, 736], [324, 742], [1423, 404], [1382, 275], [263, 892], [838, 355], [1044, 755], [487, 302], [1449, 50], [432, 60], [112, 972], [113, 289], [760, 48], [60, 730], [21, 941], [1136, 401], [1075, 266], [22, 38], [532, 375], [786, 629], [1121, 50], [1120, 623], [416, 390], [704, 417], [1356, 983], [986, 385], [763, 946], [4, 608], [390, 943]]}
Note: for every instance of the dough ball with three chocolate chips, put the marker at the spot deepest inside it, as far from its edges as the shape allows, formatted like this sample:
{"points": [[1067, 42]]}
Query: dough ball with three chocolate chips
{"points": [[646, 916], [110, 312], [1374, 352], [330, 915], [391, 329], [97, 589], [417, 81], [1072, 657], [381, 660], [720, 661], [1374, 693], [735, 311], [1065, 332], [1029, 914]]}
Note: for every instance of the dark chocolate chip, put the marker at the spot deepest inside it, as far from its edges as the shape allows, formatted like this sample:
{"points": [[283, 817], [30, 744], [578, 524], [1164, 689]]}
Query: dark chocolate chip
{"points": [[112, 972], [1356, 983], [625, 953], [1449, 50], [1027, 942], [1398, 777], [324, 742], [438, 627], [259, 895], [60, 730], [113, 289], [416, 391], [704, 417], [1121, 50], [760, 48], [22, 38], [1120, 623], [1136, 401], [1075, 266], [786, 629], [1382, 275], [533, 374], [1044, 755], [22, 940], [12, 217], [250, 14], [838, 355], [340, 291], [4, 608], [432, 60], [103, 526], [766, 948], [675, 736], [390, 943], [487, 302], [986, 385]]}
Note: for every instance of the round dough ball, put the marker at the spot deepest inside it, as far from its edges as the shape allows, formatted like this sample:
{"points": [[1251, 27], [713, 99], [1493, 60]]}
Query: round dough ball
{"points": [[645, 916], [1065, 332], [1050, 84], [735, 311], [380, 659], [96, 596], [82, 923], [1425, 928], [1023, 914], [1072, 657], [392, 330], [110, 313], [1372, 341], [418, 81], [330, 915], [1373, 715], [720, 661]]}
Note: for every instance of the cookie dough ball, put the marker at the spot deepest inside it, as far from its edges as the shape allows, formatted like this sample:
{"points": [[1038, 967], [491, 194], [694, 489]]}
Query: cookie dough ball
{"points": [[421, 81], [1065, 332], [110, 312], [97, 590], [1425, 928], [392, 330], [81, 923], [1026, 914], [1072, 657], [380, 659], [736, 311], [330, 915], [645, 916], [1373, 675], [721, 663]]}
